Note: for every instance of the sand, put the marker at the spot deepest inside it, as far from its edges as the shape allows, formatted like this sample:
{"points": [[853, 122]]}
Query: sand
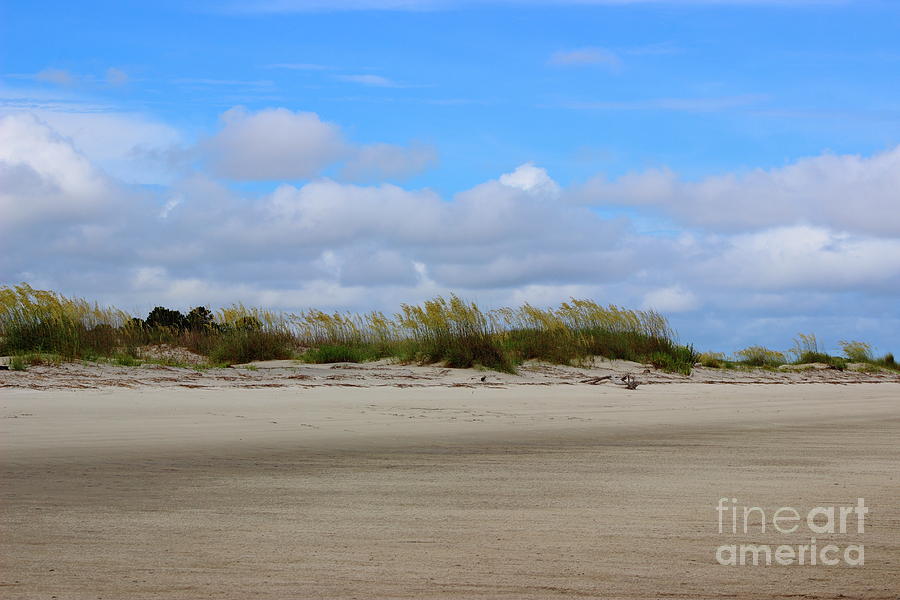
{"points": [[463, 490], [292, 373]]}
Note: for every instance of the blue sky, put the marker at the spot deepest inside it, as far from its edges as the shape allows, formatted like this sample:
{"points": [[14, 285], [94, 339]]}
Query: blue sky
{"points": [[643, 153]]}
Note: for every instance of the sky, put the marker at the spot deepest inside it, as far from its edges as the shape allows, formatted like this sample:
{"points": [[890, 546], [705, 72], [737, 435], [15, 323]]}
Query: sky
{"points": [[733, 164]]}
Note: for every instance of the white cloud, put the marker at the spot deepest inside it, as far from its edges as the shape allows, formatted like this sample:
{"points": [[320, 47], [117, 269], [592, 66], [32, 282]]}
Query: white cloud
{"points": [[801, 258], [275, 143], [533, 179], [169, 206], [672, 299], [586, 56], [116, 142], [842, 192], [279, 144], [44, 178]]}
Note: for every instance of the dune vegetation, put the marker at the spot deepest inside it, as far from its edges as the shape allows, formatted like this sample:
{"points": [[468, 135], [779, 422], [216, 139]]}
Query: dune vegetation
{"points": [[40, 326], [805, 351], [442, 330]]}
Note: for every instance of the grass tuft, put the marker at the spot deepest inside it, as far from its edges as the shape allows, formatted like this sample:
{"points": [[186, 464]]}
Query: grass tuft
{"points": [[340, 353], [759, 356], [712, 360]]}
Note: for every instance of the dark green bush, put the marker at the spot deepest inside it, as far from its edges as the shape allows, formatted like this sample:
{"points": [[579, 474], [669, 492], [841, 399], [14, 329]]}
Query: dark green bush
{"points": [[167, 318]]}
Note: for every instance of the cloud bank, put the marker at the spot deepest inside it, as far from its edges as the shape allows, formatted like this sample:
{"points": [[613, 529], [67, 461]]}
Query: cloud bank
{"points": [[842, 192], [816, 241]]}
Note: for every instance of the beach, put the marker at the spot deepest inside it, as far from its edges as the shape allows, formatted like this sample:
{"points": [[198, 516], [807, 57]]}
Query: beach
{"points": [[468, 489]]}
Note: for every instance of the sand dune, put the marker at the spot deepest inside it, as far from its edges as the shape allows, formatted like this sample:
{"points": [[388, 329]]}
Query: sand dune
{"points": [[506, 491]]}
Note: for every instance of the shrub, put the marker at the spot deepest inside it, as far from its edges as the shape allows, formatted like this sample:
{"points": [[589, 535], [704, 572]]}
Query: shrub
{"points": [[161, 317], [241, 345], [671, 363], [759, 356], [340, 353], [199, 319], [712, 360]]}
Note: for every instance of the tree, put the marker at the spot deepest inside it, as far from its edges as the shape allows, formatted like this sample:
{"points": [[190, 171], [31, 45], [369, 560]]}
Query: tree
{"points": [[199, 319], [164, 317]]}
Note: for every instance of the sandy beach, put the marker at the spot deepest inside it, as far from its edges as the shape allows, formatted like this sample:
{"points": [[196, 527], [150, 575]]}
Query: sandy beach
{"points": [[491, 491]]}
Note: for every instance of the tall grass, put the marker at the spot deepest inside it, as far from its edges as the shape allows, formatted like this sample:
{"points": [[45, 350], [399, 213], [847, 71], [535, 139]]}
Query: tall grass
{"points": [[42, 321], [448, 330], [38, 321], [760, 356], [805, 350]]}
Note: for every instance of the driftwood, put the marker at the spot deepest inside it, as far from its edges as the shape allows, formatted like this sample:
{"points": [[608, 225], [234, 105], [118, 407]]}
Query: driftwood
{"points": [[596, 380], [630, 382]]}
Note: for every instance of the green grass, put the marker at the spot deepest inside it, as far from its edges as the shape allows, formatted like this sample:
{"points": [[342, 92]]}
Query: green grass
{"points": [[835, 362], [713, 360], [759, 356], [126, 360], [242, 346], [341, 353]]}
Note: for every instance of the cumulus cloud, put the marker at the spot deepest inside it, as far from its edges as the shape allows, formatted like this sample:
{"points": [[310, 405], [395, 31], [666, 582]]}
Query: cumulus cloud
{"points": [[843, 192], [530, 178], [274, 143], [43, 177], [124, 145], [279, 144], [802, 258]]}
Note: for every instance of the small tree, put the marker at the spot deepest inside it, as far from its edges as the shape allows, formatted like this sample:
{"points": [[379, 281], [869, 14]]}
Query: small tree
{"points": [[199, 319], [164, 317]]}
